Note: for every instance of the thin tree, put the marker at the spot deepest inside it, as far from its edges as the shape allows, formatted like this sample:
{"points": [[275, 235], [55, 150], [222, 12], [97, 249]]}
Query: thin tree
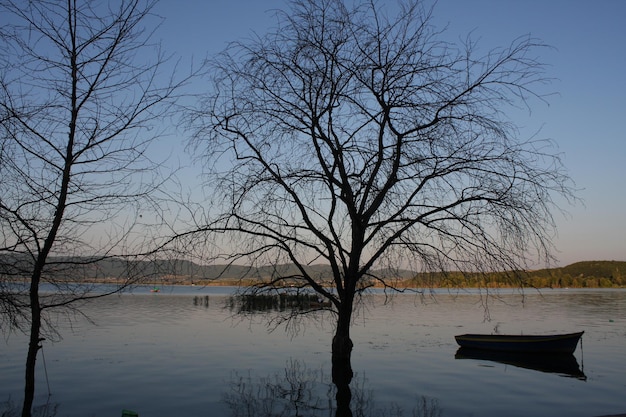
{"points": [[365, 142], [83, 94]]}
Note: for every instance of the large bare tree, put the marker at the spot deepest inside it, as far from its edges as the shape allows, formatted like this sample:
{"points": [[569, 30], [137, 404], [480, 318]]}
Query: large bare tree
{"points": [[363, 141], [83, 95]]}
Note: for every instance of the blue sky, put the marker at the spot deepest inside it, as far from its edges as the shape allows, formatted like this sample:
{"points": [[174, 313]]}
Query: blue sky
{"points": [[585, 119]]}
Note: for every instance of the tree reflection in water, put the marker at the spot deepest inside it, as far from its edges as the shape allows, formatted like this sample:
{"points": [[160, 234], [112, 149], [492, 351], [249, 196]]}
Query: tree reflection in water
{"points": [[303, 392], [9, 409]]}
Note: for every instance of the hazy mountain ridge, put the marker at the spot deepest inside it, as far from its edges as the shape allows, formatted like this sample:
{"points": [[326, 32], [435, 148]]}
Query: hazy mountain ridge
{"points": [[178, 271]]}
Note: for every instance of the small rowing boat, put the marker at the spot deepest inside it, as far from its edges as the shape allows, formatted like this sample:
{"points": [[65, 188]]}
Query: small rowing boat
{"points": [[558, 343]]}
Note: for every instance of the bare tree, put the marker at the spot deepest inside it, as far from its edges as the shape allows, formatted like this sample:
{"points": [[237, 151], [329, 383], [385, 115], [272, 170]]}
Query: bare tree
{"points": [[362, 141], [83, 94]]}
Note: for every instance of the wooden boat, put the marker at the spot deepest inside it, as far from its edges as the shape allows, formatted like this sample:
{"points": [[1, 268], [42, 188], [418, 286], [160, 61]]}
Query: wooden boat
{"points": [[559, 343]]}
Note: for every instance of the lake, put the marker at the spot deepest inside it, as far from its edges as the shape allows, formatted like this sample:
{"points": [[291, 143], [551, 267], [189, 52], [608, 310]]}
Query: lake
{"points": [[180, 352]]}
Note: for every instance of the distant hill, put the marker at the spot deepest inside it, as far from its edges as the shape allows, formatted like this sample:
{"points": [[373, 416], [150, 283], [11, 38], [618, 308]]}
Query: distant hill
{"points": [[606, 269], [588, 274], [602, 274]]}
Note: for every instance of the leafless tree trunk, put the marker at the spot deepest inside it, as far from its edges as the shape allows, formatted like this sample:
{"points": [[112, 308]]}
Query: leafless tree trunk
{"points": [[367, 143], [83, 91]]}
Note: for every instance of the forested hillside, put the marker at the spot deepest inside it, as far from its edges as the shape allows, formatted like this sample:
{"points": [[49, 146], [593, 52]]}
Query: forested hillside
{"points": [[588, 274], [602, 274]]}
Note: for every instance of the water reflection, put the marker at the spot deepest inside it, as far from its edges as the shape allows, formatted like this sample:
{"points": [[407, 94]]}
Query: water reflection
{"points": [[11, 409], [201, 301], [563, 365], [301, 391]]}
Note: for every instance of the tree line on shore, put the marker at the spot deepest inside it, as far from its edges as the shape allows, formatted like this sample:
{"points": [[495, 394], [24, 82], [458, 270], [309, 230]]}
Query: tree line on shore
{"points": [[587, 274]]}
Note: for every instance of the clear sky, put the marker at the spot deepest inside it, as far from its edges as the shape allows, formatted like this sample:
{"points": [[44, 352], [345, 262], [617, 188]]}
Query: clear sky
{"points": [[586, 119]]}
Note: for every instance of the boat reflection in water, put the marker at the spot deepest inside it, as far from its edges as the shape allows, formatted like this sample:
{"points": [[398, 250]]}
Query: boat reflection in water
{"points": [[562, 364]]}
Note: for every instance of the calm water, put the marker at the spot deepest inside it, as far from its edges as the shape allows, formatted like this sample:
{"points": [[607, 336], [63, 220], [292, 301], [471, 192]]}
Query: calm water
{"points": [[169, 354]]}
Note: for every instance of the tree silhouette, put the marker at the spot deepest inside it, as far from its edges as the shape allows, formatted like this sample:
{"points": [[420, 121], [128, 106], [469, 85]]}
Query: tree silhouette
{"points": [[83, 91], [367, 142]]}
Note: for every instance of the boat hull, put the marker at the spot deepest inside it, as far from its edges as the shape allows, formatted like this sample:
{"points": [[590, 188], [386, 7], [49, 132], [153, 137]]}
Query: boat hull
{"points": [[561, 343]]}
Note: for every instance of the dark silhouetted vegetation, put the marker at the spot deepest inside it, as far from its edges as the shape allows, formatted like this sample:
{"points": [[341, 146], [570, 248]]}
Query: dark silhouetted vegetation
{"points": [[281, 301]]}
